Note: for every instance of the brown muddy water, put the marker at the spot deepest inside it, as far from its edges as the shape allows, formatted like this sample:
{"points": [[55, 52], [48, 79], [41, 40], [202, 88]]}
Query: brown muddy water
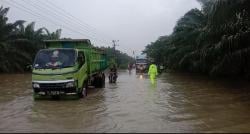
{"points": [[175, 103]]}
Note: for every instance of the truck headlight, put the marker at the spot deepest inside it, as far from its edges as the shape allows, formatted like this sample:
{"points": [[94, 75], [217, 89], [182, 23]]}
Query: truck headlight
{"points": [[36, 85], [70, 84]]}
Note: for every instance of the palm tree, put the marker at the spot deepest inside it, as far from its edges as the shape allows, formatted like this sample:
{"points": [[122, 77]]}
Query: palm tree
{"points": [[229, 28], [19, 43], [54, 35], [10, 57], [214, 40]]}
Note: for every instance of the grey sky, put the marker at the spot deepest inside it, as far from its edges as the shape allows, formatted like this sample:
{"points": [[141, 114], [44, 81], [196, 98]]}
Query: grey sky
{"points": [[135, 23]]}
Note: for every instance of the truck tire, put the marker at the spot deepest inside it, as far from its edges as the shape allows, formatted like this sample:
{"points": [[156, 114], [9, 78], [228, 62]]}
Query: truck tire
{"points": [[95, 82], [98, 82], [103, 80], [114, 79]]}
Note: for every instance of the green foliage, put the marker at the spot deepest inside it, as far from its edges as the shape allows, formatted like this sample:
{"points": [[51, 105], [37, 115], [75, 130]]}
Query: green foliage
{"points": [[117, 57], [213, 41], [19, 43]]}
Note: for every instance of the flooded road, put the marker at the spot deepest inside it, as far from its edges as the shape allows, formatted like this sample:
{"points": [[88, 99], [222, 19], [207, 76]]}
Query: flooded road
{"points": [[175, 103]]}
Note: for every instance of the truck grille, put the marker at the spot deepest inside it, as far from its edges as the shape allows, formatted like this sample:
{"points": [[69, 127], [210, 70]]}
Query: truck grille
{"points": [[52, 85], [45, 87]]}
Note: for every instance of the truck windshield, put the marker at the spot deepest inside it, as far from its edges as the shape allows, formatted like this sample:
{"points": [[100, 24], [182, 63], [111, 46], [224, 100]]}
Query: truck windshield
{"points": [[56, 58]]}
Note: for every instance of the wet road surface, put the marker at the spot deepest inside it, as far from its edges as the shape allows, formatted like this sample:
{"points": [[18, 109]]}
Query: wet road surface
{"points": [[175, 103]]}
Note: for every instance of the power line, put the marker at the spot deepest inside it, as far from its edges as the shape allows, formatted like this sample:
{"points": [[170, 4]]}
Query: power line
{"points": [[67, 13], [26, 11], [67, 22], [56, 13], [23, 8]]}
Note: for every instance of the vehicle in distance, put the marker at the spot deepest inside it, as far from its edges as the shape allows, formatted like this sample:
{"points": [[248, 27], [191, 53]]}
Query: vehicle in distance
{"points": [[141, 64]]}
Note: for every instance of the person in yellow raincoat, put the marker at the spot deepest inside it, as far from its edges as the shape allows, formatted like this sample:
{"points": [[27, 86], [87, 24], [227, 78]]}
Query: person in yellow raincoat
{"points": [[152, 72]]}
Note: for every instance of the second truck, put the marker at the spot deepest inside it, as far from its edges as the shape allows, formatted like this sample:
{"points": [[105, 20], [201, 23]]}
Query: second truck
{"points": [[141, 64], [65, 69]]}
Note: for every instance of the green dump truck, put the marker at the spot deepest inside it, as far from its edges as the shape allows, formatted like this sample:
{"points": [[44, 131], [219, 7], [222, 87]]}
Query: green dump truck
{"points": [[65, 69]]}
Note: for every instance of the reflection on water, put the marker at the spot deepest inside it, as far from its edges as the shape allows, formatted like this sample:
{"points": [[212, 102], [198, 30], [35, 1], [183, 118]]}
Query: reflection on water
{"points": [[171, 103]]}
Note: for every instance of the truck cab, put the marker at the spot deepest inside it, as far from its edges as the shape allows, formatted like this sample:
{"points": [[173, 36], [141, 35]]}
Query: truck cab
{"points": [[65, 69], [141, 64]]}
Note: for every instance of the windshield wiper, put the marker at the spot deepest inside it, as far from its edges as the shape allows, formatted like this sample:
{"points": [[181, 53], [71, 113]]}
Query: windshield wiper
{"points": [[44, 67], [51, 67], [56, 67]]}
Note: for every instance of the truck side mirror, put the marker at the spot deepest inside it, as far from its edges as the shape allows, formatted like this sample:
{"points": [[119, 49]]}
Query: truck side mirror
{"points": [[29, 67]]}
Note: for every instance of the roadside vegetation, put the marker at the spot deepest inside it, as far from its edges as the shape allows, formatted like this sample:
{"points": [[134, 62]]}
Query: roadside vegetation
{"points": [[19, 43], [213, 41], [117, 57]]}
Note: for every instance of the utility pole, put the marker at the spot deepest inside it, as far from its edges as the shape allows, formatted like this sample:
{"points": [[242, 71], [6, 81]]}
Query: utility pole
{"points": [[114, 52], [134, 55]]}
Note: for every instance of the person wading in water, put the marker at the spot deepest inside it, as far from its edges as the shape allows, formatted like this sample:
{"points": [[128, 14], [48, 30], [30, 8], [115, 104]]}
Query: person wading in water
{"points": [[152, 72]]}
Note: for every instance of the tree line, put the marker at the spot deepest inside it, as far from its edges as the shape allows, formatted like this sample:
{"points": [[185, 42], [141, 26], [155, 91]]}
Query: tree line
{"points": [[19, 44], [213, 41], [117, 57]]}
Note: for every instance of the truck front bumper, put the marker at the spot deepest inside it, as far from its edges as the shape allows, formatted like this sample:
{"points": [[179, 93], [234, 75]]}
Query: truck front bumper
{"points": [[51, 89]]}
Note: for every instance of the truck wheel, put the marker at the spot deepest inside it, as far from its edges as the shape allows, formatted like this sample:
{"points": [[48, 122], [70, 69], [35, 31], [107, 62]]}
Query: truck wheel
{"points": [[103, 80], [110, 81], [98, 82]]}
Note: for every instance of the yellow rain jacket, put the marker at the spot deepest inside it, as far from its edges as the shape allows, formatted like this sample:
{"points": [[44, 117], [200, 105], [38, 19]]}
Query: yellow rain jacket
{"points": [[152, 72]]}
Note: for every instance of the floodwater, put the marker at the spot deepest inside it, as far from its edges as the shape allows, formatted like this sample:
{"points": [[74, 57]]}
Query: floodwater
{"points": [[175, 103]]}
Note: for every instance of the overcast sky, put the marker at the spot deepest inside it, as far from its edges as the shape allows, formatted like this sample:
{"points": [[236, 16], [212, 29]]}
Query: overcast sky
{"points": [[135, 23]]}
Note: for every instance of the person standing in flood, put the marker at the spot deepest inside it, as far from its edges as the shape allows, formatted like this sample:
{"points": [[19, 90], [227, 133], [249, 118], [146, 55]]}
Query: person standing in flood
{"points": [[152, 72], [130, 66]]}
